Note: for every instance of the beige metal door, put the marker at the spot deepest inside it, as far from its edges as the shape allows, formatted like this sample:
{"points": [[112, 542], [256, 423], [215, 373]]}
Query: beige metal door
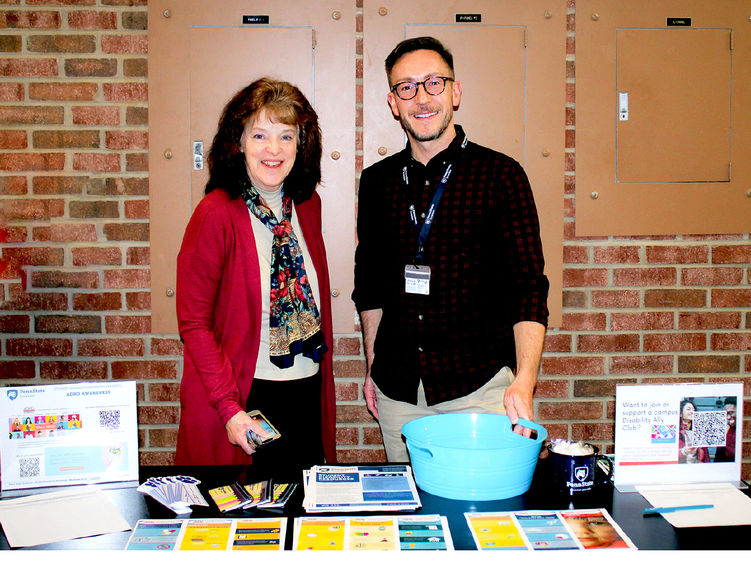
{"points": [[510, 63], [674, 105], [200, 54]]}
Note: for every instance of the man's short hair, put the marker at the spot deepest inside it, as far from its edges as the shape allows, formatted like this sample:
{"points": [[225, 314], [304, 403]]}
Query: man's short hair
{"points": [[418, 44]]}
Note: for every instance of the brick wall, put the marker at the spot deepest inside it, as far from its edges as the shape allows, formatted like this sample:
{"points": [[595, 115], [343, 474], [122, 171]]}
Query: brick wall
{"points": [[76, 288]]}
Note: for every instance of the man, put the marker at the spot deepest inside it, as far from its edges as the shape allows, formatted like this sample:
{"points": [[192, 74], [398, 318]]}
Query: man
{"points": [[449, 277]]}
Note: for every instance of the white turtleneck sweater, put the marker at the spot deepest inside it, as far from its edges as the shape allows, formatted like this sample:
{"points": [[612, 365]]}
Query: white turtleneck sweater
{"points": [[303, 367]]}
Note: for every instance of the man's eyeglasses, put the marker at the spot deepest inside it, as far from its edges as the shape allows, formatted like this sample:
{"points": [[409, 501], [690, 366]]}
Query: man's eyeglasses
{"points": [[434, 85]]}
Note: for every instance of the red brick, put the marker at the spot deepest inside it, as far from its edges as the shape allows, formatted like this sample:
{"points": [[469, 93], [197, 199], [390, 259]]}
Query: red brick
{"points": [[13, 140], [127, 324], [574, 299], [59, 185], [79, 280], [585, 277], [584, 321], [14, 323], [13, 185], [731, 341], [125, 92], [551, 389], [712, 276], [66, 139], [17, 162], [347, 436], [61, 43], [159, 458], [97, 302], [99, 209], [709, 364], [347, 391], [36, 19], [138, 300], [103, 256], [122, 186], [708, 320], [77, 68], [73, 370], [96, 162], [39, 347], [616, 255], [111, 347], [593, 431], [65, 232], [135, 20], [644, 276], [152, 369], [138, 256], [349, 368], [137, 209], [17, 369], [164, 392], [125, 44], [731, 298], [615, 299], [677, 254], [671, 342], [63, 92], [31, 115], [126, 140], [96, 115], [126, 231], [641, 364], [80, 324], [682, 298], [589, 343], [28, 67], [347, 346], [360, 455], [731, 254], [353, 413], [641, 321], [135, 68], [135, 162], [558, 343], [153, 414], [35, 256], [569, 410], [371, 435], [127, 278], [90, 19], [571, 365], [599, 387], [166, 347], [136, 116], [11, 92], [22, 301]]}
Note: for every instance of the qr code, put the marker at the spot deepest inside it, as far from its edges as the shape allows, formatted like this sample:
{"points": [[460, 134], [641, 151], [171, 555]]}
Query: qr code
{"points": [[29, 467], [109, 419], [709, 428]]}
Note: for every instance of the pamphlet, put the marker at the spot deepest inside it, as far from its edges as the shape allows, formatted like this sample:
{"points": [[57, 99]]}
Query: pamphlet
{"points": [[331, 488], [372, 533], [68, 434], [212, 534], [546, 530]]}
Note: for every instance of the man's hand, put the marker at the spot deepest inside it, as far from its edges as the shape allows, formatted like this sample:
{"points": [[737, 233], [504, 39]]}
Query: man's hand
{"points": [[368, 389], [518, 403], [237, 429]]}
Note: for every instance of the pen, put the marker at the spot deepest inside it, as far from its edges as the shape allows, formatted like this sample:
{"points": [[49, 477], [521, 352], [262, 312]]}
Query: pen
{"points": [[664, 509]]}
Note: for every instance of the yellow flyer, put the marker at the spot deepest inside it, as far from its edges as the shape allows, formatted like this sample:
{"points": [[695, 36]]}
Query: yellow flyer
{"points": [[318, 534], [258, 535], [495, 531], [206, 535], [368, 534]]}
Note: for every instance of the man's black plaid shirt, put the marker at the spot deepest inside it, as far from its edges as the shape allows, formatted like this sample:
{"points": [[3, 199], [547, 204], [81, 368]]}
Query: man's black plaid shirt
{"points": [[486, 264]]}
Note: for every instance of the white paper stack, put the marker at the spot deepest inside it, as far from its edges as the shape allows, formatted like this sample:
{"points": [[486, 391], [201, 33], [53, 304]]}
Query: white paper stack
{"points": [[332, 488]]}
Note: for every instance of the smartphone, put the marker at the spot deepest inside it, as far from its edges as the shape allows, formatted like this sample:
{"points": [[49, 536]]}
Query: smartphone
{"points": [[254, 438]]}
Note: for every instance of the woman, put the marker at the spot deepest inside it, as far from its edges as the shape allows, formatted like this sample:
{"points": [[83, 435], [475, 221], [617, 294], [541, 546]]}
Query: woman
{"points": [[253, 297]]}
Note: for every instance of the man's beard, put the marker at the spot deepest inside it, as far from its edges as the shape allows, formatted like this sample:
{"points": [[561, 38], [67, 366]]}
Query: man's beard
{"points": [[423, 138]]}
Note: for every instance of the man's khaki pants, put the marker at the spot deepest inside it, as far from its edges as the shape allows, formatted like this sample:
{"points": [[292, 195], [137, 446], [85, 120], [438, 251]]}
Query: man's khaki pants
{"points": [[392, 415]]}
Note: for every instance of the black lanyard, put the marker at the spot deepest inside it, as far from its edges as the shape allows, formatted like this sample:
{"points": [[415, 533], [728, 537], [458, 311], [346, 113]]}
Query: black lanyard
{"points": [[423, 232]]}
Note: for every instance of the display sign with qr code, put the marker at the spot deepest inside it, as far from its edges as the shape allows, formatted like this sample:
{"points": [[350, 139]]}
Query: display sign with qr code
{"points": [[690, 433], [69, 434]]}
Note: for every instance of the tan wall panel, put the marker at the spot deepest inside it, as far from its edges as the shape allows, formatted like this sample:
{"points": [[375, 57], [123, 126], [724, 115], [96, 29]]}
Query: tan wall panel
{"points": [[192, 47], [605, 206], [513, 96]]}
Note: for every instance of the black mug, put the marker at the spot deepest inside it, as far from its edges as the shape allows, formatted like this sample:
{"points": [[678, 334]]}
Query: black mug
{"points": [[575, 474]]}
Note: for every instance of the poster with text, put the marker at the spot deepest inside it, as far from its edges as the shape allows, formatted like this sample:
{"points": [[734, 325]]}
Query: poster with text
{"points": [[689, 433], [68, 434]]}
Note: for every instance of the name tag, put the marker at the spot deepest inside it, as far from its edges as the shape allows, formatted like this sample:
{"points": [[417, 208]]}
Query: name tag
{"points": [[417, 279]]}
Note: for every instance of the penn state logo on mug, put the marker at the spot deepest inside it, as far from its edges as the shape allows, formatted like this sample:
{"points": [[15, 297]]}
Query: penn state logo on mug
{"points": [[581, 473]]}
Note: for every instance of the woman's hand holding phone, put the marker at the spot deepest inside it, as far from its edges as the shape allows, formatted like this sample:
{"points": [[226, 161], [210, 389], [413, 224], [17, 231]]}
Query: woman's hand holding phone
{"points": [[237, 431]]}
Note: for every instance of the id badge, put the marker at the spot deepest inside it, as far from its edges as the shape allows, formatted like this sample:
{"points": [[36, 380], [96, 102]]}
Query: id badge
{"points": [[417, 279]]}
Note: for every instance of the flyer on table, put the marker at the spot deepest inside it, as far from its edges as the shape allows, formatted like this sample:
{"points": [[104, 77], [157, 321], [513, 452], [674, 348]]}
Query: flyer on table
{"points": [[68, 434], [678, 433]]}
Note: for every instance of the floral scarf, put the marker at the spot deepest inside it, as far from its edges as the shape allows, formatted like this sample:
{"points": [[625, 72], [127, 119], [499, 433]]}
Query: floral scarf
{"points": [[294, 320]]}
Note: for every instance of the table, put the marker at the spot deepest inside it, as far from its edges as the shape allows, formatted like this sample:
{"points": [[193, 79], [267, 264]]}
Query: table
{"points": [[653, 533]]}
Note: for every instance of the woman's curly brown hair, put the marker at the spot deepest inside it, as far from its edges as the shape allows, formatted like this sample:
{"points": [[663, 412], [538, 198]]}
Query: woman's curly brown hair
{"points": [[284, 103]]}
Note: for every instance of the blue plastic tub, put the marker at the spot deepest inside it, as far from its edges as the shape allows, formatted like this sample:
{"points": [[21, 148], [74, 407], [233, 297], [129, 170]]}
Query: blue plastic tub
{"points": [[472, 456]]}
